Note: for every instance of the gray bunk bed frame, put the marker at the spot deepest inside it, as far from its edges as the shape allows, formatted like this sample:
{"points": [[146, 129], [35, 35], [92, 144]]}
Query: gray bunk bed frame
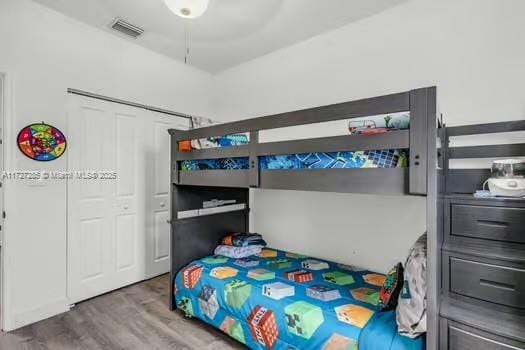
{"points": [[195, 237]]}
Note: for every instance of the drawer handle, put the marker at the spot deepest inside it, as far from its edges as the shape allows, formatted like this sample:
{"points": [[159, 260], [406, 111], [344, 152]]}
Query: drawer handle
{"points": [[498, 285], [493, 223]]}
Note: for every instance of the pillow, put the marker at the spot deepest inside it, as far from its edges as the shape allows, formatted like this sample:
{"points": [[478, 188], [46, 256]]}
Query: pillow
{"points": [[411, 313], [237, 252], [391, 288], [243, 240]]}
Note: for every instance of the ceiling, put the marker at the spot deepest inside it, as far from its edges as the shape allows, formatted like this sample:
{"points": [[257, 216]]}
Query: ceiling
{"points": [[230, 32]]}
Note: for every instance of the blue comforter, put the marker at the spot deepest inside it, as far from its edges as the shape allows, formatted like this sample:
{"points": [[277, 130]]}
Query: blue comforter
{"points": [[281, 300], [326, 160]]}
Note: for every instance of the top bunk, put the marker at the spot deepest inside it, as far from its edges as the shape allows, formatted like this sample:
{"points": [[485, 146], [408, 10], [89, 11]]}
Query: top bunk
{"points": [[392, 160]]}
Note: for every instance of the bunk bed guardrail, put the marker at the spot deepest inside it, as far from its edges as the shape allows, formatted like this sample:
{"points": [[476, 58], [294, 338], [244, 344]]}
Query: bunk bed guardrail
{"points": [[420, 103], [467, 181]]}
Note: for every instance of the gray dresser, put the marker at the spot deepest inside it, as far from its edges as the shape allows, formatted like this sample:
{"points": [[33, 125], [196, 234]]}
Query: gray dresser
{"points": [[483, 273]]}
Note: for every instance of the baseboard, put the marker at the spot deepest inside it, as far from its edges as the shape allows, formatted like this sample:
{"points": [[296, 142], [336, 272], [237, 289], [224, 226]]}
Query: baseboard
{"points": [[28, 317]]}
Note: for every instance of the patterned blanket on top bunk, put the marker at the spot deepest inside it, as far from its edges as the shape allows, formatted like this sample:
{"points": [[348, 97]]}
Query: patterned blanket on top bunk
{"points": [[280, 300], [325, 160]]}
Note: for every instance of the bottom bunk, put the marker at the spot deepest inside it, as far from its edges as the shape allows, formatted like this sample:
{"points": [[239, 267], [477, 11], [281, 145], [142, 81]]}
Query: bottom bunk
{"points": [[282, 300]]}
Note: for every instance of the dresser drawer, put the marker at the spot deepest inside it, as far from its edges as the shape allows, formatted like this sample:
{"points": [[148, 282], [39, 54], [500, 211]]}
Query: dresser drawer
{"points": [[487, 222], [461, 339], [488, 282]]}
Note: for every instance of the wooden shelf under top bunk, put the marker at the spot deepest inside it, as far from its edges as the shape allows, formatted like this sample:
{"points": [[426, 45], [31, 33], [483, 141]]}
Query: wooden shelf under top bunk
{"points": [[419, 140]]}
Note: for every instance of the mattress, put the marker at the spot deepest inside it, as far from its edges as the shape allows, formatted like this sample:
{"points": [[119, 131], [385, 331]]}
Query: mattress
{"points": [[281, 300], [322, 160]]}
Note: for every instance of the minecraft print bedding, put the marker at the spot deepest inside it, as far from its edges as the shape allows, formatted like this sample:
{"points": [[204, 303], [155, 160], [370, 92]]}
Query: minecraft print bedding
{"points": [[324, 160], [280, 300]]}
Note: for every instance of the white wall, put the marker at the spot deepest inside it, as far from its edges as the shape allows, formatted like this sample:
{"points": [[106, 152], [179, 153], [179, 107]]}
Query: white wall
{"points": [[44, 53], [364, 230], [473, 50]]}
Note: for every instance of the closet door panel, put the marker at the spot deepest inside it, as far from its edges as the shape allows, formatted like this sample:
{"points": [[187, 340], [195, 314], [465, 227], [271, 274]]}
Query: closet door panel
{"points": [[162, 236], [89, 199], [126, 154], [90, 156], [92, 240], [126, 236], [158, 188], [157, 232], [162, 152], [127, 210]]}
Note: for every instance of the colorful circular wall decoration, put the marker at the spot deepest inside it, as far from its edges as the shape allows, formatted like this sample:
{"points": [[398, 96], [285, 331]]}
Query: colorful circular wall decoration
{"points": [[41, 142]]}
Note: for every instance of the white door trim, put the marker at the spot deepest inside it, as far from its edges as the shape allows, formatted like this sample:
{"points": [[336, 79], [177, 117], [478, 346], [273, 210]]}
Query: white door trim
{"points": [[6, 123]]}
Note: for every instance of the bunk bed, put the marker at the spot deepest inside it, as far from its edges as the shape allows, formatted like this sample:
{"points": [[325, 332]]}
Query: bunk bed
{"points": [[196, 230]]}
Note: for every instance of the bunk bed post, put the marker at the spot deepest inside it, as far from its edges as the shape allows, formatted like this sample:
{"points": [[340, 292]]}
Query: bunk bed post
{"points": [[423, 180], [445, 143], [254, 160], [174, 178], [418, 141], [174, 147], [433, 261]]}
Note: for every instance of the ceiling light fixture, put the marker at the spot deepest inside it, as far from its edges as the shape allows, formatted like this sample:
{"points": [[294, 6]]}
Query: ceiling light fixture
{"points": [[187, 8]]}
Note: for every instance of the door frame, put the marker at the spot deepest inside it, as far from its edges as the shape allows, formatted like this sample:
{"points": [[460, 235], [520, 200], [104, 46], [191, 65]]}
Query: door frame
{"points": [[6, 162]]}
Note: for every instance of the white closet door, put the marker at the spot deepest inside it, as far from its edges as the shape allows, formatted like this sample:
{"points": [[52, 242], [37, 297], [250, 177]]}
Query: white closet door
{"points": [[90, 201], [128, 203], [117, 228], [105, 215], [158, 189]]}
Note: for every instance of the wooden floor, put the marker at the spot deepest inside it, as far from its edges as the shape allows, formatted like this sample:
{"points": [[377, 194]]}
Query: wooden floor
{"points": [[136, 317]]}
